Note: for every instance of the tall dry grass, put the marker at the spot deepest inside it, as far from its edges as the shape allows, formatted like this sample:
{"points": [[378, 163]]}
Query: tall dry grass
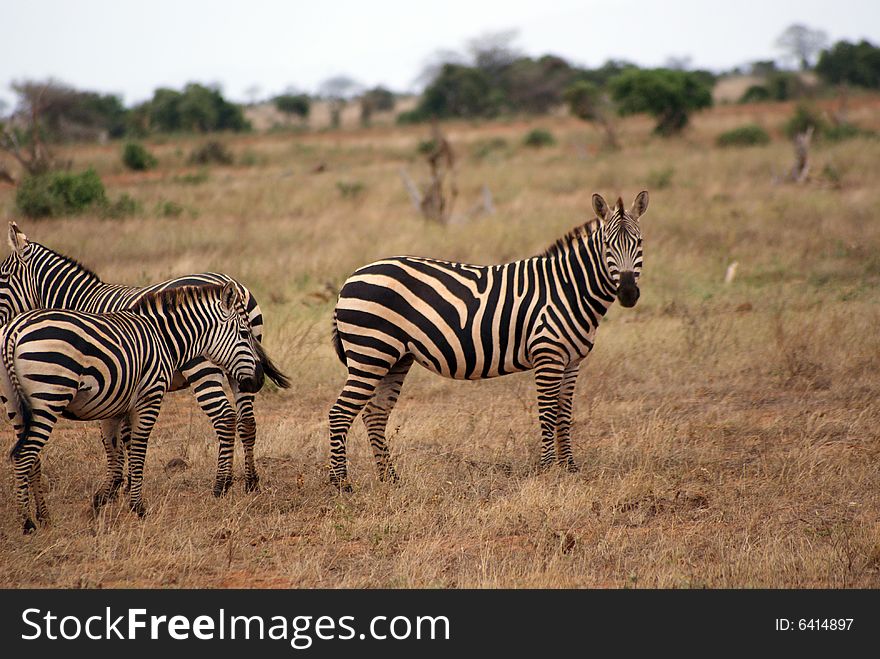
{"points": [[727, 433]]}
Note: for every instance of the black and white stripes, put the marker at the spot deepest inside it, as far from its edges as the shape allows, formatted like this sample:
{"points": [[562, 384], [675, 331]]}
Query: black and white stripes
{"points": [[36, 277], [473, 322], [114, 367]]}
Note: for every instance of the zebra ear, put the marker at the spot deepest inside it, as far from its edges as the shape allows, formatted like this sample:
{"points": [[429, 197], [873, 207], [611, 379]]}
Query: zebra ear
{"points": [[640, 205], [600, 207], [17, 240], [229, 297]]}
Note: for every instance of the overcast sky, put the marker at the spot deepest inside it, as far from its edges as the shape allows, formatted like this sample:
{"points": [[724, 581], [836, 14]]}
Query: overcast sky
{"points": [[131, 48]]}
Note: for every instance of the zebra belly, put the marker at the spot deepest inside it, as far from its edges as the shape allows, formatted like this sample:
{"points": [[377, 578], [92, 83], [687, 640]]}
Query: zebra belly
{"points": [[90, 403]]}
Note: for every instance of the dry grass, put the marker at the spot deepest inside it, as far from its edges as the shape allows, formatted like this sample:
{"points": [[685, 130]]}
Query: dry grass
{"points": [[727, 433]]}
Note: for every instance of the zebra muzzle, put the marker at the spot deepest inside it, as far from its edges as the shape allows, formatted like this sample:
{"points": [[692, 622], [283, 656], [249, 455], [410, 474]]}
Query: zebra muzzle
{"points": [[627, 290], [253, 384]]}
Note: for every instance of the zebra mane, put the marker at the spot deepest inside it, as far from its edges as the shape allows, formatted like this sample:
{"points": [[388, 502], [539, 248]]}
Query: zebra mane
{"points": [[170, 298], [69, 261], [586, 229]]}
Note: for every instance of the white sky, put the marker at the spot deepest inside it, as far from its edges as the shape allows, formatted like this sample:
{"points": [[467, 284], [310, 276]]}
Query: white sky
{"points": [[130, 48]]}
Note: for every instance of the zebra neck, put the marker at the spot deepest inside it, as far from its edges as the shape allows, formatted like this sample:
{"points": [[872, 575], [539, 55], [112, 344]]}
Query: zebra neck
{"points": [[584, 264], [182, 335], [62, 283]]}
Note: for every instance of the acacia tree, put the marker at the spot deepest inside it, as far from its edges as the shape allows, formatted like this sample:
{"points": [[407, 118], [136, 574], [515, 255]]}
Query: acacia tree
{"points": [[802, 43], [338, 90], [669, 96], [586, 101]]}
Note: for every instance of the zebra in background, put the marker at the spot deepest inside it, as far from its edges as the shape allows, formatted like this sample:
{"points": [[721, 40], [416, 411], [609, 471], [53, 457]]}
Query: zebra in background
{"points": [[36, 277], [114, 367], [471, 322]]}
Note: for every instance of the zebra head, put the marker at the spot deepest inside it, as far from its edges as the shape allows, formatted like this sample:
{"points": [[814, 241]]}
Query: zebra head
{"points": [[622, 240], [234, 346], [18, 291]]}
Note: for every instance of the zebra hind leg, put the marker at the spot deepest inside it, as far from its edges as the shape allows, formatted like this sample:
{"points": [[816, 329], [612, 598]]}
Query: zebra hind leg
{"points": [[35, 483], [113, 448], [357, 392], [376, 413]]}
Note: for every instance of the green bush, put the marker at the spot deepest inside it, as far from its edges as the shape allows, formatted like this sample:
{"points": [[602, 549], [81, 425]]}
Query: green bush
{"points": [[485, 148], [60, 193], [748, 135], [169, 208], [212, 152], [197, 108], [539, 137], [350, 189], [660, 179], [298, 104], [125, 206], [667, 95], [804, 117], [137, 158], [844, 131]]}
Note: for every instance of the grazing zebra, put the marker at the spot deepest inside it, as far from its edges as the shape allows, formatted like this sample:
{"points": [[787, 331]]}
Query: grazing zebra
{"points": [[114, 367], [471, 322], [36, 277]]}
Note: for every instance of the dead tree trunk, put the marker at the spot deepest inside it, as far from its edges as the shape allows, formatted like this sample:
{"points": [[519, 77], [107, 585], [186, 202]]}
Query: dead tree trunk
{"points": [[801, 170]]}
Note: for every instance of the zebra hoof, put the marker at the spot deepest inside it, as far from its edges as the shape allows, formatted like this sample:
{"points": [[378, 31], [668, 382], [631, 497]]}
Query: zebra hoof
{"points": [[342, 485], [572, 468], [29, 526], [221, 486], [389, 476], [139, 509], [252, 484]]}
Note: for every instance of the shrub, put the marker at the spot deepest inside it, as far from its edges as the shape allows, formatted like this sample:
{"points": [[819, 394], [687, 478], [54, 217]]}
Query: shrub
{"points": [[123, 207], [485, 148], [748, 135], [137, 158], [59, 193], [212, 152], [196, 108], [539, 137], [169, 209], [290, 104], [660, 178], [844, 131], [350, 189], [196, 178], [669, 96], [804, 117]]}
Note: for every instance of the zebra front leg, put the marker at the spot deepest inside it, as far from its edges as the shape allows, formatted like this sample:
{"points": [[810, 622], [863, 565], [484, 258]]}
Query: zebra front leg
{"points": [[142, 420], [111, 437], [563, 421], [247, 435], [548, 379], [376, 414], [206, 381]]}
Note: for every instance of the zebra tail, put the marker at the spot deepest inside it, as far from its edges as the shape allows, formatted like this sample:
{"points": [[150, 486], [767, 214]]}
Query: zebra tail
{"points": [[11, 386], [270, 370], [337, 342]]}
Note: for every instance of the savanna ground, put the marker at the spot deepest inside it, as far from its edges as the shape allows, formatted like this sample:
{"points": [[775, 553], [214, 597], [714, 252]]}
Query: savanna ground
{"points": [[727, 433]]}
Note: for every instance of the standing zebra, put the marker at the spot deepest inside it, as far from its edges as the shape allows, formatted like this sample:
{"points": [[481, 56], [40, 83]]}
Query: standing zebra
{"points": [[471, 322], [36, 277], [115, 367]]}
